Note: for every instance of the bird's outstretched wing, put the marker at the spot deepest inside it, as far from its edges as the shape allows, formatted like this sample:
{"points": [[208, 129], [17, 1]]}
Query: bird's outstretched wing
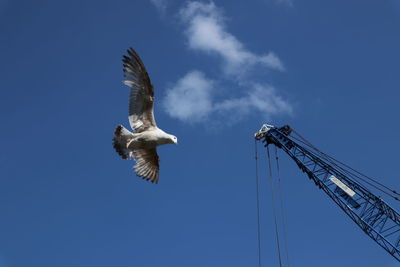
{"points": [[141, 98], [147, 164]]}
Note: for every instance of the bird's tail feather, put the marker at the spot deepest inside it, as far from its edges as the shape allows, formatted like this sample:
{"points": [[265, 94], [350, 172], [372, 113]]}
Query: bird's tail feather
{"points": [[121, 138]]}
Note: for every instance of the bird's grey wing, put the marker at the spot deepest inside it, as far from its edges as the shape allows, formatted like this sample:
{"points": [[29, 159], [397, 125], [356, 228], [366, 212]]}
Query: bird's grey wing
{"points": [[141, 98], [147, 164]]}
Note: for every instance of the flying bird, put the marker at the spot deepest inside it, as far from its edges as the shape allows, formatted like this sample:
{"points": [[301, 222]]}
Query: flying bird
{"points": [[141, 145]]}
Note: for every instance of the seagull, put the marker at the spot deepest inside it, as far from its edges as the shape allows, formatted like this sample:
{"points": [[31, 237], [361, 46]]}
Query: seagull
{"points": [[141, 145]]}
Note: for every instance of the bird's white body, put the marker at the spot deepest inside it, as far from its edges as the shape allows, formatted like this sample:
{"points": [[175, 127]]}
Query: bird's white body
{"points": [[150, 139], [142, 144]]}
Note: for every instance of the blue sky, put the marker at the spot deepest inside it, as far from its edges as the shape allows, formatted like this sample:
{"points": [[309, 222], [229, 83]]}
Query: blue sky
{"points": [[330, 69]]}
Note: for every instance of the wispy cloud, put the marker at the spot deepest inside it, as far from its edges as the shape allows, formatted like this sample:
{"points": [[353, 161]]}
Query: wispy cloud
{"points": [[197, 98], [161, 5], [206, 32], [260, 97], [192, 99]]}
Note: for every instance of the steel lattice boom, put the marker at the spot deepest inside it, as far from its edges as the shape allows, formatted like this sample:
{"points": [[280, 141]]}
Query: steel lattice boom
{"points": [[376, 218]]}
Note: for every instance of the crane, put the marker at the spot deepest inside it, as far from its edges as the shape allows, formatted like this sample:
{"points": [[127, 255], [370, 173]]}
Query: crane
{"points": [[347, 187]]}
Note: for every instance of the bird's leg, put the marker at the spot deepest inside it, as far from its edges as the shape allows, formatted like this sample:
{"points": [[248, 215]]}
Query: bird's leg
{"points": [[129, 143]]}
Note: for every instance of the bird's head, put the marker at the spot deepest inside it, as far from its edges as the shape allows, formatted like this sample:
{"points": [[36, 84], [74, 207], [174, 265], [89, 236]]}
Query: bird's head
{"points": [[174, 139]]}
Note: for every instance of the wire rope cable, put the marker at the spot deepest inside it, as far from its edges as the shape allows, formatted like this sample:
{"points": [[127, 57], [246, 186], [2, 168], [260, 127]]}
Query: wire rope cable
{"points": [[258, 205], [273, 207], [347, 166], [349, 171], [336, 163], [281, 197]]}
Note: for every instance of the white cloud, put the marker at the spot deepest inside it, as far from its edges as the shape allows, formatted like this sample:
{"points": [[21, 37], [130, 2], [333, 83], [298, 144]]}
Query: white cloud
{"points": [[261, 98], [161, 5], [190, 98], [206, 32], [195, 98]]}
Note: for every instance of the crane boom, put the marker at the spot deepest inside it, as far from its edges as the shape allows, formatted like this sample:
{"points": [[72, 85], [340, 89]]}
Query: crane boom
{"points": [[375, 217]]}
